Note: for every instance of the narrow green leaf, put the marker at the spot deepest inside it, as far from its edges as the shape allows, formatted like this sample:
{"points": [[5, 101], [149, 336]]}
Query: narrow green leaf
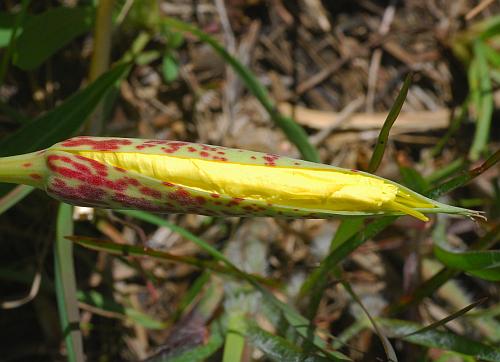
{"points": [[413, 179], [468, 260], [490, 27], [427, 288], [7, 26], [319, 276], [15, 31], [61, 122], [491, 274], [383, 137], [437, 339], [454, 126], [389, 350], [169, 68], [293, 131], [474, 260], [46, 33], [463, 178], [447, 319], [446, 171], [64, 120], [347, 229], [483, 101], [235, 337], [65, 283], [191, 294], [316, 283], [139, 251], [491, 312], [156, 220], [277, 348], [199, 353], [492, 55], [97, 300], [13, 197], [297, 321]]}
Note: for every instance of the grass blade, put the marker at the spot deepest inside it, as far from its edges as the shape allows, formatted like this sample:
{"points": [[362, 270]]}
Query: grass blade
{"points": [[65, 283], [46, 33], [12, 41], [198, 353], [346, 230], [427, 288], [235, 338], [317, 281], [454, 126], [97, 300], [293, 131], [491, 274], [437, 339], [389, 350], [468, 260], [379, 150], [277, 348], [14, 196], [462, 260], [463, 178], [186, 341], [156, 220], [61, 122], [319, 276], [446, 171], [482, 95], [296, 321], [140, 251], [451, 317], [64, 120]]}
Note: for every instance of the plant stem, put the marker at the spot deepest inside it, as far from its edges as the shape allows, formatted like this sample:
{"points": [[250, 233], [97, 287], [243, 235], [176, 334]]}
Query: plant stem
{"points": [[28, 169], [103, 32]]}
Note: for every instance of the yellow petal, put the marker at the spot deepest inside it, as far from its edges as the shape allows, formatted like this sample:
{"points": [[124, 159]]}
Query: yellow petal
{"points": [[297, 187]]}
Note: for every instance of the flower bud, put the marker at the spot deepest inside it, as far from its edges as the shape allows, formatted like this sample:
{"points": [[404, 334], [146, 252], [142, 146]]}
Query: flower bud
{"points": [[182, 177]]}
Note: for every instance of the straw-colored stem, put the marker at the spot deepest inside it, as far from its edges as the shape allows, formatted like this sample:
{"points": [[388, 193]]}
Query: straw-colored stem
{"points": [[99, 64]]}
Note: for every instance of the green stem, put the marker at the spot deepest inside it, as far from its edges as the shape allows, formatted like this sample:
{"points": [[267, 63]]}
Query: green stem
{"points": [[28, 169]]}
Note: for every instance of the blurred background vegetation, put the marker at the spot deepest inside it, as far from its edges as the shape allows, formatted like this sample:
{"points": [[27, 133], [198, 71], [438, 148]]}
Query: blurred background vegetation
{"points": [[312, 79]]}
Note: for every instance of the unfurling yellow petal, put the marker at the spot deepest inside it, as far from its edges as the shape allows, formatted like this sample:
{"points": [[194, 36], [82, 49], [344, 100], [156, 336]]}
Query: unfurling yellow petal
{"points": [[321, 189]]}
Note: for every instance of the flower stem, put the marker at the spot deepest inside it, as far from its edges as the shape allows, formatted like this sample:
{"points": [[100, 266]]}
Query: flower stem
{"points": [[28, 169]]}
